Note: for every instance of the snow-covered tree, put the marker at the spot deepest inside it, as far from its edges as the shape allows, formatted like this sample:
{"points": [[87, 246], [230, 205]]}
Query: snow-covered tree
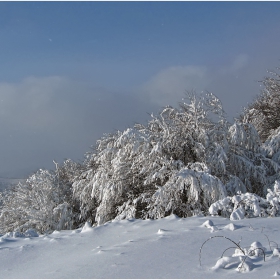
{"points": [[132, 166], [82, 190], [247, 166], [264, 115], [190, 191], [44, 202]]}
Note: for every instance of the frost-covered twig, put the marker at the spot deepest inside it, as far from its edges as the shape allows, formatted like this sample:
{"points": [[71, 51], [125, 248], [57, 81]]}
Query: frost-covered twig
{"points": [[220, 236], [270, 242], [226, 250]]}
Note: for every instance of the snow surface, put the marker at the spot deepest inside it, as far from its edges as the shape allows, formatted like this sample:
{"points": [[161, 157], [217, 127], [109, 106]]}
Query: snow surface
{"points": [[164, 248]]}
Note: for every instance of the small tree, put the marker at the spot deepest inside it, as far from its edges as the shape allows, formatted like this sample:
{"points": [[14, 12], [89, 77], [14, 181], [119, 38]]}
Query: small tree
{"points": [[44, 202]]}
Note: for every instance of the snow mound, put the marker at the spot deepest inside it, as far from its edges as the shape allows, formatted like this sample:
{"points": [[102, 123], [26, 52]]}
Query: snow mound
{"points": [[87, 227], [276, 252], [231, 227], [245, 265], [237, 214], [161, 231], [222, 262], [209, 224], [256, 249], [31, 233]]}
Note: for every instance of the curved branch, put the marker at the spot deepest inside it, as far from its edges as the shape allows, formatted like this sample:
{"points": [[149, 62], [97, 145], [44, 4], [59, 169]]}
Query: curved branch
{"points": [[220, 236]]}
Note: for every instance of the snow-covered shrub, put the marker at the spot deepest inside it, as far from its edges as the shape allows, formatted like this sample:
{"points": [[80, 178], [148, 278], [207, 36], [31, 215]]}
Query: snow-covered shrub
{"points": [[273, 197], [43, 202], [249, 205], [185, 193], [239, 206]]}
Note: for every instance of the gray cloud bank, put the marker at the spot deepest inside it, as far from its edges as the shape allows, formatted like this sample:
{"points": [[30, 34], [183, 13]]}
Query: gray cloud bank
{"points": [[53, 118]]}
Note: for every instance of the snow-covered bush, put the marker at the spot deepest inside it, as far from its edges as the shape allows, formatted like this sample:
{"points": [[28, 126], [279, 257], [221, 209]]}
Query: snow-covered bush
{"points": [[44, 202], [273, 197], [185, 194], [249, 205]]}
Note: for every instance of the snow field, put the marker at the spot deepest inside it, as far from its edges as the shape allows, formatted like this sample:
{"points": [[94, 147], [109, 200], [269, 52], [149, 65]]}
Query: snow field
{"points": [[163, 248]]}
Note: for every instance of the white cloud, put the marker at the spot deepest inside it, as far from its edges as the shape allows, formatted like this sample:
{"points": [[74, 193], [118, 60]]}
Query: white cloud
{"points": [[29, 103], [239, 62], [169, 85]]}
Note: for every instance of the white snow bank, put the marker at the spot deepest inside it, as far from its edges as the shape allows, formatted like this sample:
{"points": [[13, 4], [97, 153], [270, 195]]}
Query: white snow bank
{"points": [[165, 248]]}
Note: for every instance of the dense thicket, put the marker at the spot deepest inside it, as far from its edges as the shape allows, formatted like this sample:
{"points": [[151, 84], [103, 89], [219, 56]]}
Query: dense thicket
{"points": [[182, 161]]}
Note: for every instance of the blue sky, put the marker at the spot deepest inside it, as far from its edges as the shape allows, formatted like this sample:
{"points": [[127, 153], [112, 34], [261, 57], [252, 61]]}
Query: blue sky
{"points": [[71, 71]]}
